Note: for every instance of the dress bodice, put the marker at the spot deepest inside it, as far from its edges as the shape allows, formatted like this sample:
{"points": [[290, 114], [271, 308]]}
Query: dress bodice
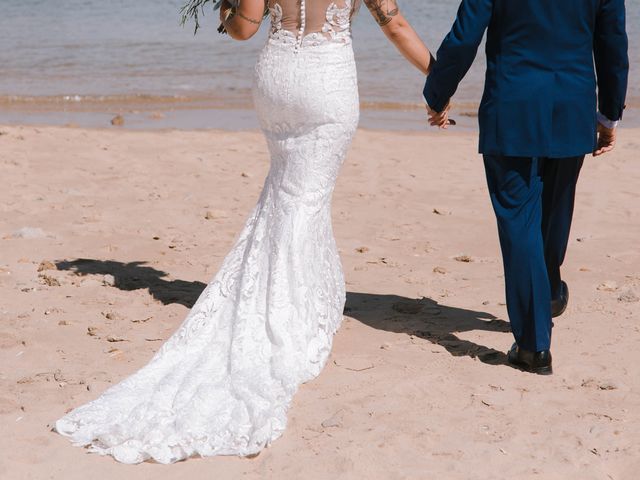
{"points": [[311, 22]]}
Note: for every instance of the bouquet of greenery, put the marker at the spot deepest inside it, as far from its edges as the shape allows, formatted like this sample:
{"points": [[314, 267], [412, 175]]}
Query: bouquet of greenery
{"points": [[194, 8]]}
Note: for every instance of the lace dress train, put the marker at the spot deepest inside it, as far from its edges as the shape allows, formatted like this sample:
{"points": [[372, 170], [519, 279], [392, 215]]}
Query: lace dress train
{"points": [[223, 382]]}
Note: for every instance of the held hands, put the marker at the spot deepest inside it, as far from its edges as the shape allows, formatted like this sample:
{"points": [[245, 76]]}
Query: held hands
{"points": [[606, 140], [440, 119]]}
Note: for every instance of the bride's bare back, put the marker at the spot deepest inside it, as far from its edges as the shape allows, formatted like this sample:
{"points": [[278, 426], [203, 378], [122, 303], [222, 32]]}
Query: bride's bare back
{"points": [[312, 21], [328, 18]]}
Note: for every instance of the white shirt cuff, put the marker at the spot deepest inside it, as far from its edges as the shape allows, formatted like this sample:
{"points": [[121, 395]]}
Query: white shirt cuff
{"points": [[605, 122]]}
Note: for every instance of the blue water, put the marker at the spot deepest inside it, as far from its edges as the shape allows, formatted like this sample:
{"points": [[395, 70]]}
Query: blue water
{"points": [[124, 48]]}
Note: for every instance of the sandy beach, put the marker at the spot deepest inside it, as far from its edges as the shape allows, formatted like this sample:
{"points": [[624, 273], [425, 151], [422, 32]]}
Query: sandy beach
{"points": [[107, 237]]}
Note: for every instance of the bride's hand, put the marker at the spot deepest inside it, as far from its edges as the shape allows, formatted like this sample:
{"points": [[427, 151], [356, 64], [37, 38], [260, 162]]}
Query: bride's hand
{"points": [[399, 31], [440, 119]]}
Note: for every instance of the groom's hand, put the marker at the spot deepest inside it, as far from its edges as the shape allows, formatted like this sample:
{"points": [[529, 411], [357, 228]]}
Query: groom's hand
{"points": [[439, 119], [606, 140]]}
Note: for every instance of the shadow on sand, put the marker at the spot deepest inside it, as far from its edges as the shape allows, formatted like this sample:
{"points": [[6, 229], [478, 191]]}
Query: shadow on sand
{"points": [[423, 318], [136, 276], [427, 319]]}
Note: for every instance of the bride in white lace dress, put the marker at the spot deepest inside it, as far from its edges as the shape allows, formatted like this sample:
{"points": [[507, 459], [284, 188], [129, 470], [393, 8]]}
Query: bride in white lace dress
{"points": [[222, 384]]}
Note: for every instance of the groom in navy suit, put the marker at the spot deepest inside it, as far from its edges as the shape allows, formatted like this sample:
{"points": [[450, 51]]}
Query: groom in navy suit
{"points": [[545, 106]]}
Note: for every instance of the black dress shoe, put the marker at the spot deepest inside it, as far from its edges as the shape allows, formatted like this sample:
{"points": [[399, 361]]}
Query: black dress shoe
{"points": [[559, 305], [534, 362]]}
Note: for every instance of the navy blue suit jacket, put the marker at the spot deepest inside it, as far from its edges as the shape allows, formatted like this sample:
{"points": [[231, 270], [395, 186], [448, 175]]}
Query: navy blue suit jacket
{"points": [[540, 88]]}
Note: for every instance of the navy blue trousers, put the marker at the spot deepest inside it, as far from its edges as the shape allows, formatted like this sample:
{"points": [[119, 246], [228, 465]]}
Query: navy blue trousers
{"points": [[533, 200]]}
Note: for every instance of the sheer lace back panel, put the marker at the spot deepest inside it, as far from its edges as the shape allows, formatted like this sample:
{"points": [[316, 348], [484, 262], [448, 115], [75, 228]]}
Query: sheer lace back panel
{"points": [[312, 22]]}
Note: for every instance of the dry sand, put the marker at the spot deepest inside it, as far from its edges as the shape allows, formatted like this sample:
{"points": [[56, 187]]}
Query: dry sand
{"points": [[131, 224]]}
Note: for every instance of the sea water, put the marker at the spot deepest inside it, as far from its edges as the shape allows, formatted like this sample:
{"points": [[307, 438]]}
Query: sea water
{"points": [[74, 59]]}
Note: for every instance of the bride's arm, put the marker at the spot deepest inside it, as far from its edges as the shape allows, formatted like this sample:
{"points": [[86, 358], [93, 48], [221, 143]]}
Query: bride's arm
{"points": [[242, 18], [399, 31]]}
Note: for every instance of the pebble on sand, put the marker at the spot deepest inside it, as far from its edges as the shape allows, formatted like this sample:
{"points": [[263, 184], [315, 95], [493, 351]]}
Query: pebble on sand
{"points": [[115, 352], [46, 265], [111, 315], [214, 214], [440, 212], [117, 121], [114, 339], [49, 280]]}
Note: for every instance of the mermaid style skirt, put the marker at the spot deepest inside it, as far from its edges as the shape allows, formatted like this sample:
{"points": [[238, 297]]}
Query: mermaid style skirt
{"points": [[222, 384]]}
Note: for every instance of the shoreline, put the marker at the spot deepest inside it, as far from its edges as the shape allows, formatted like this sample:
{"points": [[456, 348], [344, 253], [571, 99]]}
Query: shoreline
{"points": [[199, 118], [145, 112]]}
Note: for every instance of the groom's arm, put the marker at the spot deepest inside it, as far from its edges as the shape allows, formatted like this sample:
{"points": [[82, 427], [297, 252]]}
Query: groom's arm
{"points": [[457, 52], [610, 52]]}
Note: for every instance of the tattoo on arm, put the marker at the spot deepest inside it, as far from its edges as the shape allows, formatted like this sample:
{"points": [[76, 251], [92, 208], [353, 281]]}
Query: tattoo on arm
{"points": [[234, 11], [244, 17], [383, 10]]}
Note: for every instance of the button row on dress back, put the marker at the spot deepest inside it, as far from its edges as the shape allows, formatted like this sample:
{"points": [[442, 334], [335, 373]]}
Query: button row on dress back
{"points": [[303, 25]]}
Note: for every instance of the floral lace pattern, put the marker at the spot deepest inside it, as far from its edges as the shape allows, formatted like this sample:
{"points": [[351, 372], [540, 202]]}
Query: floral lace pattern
{"points": [[338, 25], [336, 28], [222, 384], [276, 17]]}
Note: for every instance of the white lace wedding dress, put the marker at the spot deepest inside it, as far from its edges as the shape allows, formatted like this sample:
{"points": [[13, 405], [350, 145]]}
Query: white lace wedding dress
{"points": [[222, 384]]}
